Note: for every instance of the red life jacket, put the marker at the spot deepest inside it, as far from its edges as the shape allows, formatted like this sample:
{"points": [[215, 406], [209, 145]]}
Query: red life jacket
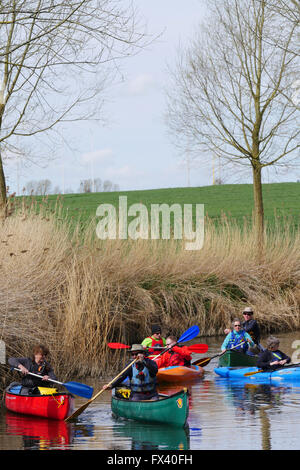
{"points": [[155, 342]]}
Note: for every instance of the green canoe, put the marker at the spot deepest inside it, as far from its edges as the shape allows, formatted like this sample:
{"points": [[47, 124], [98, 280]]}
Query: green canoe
{"points": [[236, 358], [169, 410]]}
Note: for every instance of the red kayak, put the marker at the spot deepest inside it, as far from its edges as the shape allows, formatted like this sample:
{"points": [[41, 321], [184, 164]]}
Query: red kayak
{"points": [[53, 406]]}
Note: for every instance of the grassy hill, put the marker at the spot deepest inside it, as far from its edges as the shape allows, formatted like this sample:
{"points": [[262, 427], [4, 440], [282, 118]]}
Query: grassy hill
{"points": [[281, 200]]}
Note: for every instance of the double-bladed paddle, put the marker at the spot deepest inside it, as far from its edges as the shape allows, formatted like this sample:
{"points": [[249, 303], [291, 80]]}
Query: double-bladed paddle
{"points": [[191, 333], [195, 348], [275, 370], [206, 360], [79, 389]]}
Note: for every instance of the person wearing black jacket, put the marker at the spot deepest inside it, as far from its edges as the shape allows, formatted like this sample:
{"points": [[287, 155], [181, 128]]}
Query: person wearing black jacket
{"points": [[141, 375], [272, 358], [251, 327], [36, 364]]}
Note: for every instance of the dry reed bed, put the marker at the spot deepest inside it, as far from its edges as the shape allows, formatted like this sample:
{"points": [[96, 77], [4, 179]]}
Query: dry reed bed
{"points": [[76, 293]]}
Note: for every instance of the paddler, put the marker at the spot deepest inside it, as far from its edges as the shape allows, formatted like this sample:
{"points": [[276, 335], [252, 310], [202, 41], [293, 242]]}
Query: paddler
{"points": [[155, 341], [175, 355], [272, 358], [36, 364], [141, 375], [237, 338]]}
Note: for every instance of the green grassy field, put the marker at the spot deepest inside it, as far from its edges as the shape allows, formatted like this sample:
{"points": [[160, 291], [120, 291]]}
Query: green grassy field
{"points": [[281, 201]]}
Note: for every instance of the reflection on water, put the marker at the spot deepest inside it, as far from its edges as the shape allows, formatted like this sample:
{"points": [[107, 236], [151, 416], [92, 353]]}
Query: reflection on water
{"points": [[148, 437], [224, 414]]}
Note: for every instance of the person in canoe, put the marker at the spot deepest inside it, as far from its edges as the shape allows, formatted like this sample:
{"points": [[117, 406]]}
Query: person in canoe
{"points": [[141, 375], [155, 341], [238, 339], [36, 364], [175, 355], [272, 358]]}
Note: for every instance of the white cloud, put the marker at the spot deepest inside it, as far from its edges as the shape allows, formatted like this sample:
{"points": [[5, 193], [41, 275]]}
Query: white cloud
{"points": [[98, 156], [141, 84]]}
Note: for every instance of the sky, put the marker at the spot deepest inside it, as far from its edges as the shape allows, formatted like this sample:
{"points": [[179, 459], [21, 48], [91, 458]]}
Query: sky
{"points": [[133, 149]]}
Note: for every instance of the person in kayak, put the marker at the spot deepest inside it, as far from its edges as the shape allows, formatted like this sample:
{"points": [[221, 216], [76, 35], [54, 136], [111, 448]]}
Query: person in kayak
{"points": [[272, 358], [175, 355], [155, 341], [36, 364], [141, 375], [237, 338], [252, 328]]}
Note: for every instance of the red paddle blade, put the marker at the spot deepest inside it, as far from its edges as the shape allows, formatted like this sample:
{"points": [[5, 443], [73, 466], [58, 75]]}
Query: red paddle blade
{"points": [[198, 348], [117, 346]]}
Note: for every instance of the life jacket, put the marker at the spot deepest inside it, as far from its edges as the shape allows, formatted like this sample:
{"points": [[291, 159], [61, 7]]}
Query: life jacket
{"points": [[234, 341], [276, 355], [141, 380], [175, 359], [155, 342]]}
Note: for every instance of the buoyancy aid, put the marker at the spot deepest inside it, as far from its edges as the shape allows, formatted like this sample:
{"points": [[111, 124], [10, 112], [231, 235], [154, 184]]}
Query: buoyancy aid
{"points": [[155, 342], [235, 340], [141, 380]]}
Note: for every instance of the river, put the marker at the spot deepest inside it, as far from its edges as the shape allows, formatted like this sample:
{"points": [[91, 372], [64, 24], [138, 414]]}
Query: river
{"points": [[223, 415]]}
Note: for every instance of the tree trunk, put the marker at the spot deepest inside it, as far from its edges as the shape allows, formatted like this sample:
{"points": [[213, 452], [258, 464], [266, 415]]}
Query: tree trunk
{"points": [[3, 199], [258, 211]]}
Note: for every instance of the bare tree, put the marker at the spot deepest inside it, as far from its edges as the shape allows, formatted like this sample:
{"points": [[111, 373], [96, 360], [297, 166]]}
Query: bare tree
{"points": [[232, 88], [54, 60]]}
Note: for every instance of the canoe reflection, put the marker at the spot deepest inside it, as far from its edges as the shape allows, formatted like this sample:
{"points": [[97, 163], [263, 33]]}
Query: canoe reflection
{"points": [[151, 436], [39, 433]]}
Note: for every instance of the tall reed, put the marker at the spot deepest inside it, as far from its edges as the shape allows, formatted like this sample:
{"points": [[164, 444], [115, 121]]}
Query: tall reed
{"points": [[76, 293]]}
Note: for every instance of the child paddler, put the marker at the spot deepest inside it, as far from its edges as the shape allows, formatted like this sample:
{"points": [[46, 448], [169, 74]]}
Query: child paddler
{"points": [[141, 375], [155, 340], [272, 358]]}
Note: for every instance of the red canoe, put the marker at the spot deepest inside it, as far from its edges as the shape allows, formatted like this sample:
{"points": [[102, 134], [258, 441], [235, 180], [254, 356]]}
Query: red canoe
{"points": [[54, 406], [179, 373]]}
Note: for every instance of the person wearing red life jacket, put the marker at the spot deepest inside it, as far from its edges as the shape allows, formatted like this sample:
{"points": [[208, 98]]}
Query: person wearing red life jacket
{"points": [[154, 342], [175, 356]]}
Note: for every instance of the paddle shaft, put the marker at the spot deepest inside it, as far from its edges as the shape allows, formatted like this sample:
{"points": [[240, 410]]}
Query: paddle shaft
{"points": [[40, 376]]}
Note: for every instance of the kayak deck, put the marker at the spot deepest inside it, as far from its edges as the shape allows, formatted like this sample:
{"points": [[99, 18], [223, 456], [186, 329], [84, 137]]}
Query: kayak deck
{"points": [[179, 373], [287, 374]]}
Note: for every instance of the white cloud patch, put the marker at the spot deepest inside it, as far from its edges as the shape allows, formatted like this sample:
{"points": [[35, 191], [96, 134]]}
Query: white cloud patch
{"points": [[98, 156], [141, 84]]}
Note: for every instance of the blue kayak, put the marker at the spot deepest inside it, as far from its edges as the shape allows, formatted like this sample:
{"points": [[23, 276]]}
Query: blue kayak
{"points": [[288, 374]]}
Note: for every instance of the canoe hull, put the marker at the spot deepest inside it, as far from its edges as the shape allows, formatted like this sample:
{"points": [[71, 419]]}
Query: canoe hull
{"points": [[169, 410], [55, 406], [235, 359], [288, 374], [179, 374]]}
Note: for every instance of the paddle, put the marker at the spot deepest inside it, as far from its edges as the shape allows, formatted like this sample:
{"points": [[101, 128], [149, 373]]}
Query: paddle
{"points": [[79, 389], [191, 333], [85, 405], [195, 348], [275, 370], [206, 360]]}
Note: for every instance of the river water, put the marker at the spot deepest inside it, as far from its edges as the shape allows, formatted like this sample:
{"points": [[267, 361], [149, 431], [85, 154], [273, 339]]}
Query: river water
{"points": [[223, 415]]}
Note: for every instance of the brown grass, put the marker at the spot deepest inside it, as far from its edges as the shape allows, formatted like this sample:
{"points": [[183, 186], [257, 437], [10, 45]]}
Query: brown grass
{"points": [[76, 293]]}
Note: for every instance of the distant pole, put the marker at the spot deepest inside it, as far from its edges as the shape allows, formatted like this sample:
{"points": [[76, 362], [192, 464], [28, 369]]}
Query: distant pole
{"points": [[213, 170]]}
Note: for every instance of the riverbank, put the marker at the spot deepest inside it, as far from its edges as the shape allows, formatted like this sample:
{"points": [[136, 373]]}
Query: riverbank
{"points": [[76, 293]]}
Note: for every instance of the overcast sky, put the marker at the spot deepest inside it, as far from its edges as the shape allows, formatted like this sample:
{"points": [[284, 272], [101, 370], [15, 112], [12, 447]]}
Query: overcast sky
{"points": [[133, 149]]}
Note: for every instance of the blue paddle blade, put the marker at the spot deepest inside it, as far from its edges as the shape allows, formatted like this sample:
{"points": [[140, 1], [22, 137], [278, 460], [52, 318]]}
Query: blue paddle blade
{"points": [[189, 334], [79, 389]]}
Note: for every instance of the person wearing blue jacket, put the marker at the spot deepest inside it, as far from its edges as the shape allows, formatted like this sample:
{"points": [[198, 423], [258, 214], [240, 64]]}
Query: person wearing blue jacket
{"points": [[238, 339]]}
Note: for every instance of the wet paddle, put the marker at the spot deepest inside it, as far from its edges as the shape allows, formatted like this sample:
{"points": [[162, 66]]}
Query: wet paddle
{"points": [[188, 335], [79, 389], [206, 360], [275, 370], [85, 405]]}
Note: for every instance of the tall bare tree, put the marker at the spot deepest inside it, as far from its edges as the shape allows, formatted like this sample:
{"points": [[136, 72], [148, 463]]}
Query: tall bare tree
{"points": [[232, 88], [54, 59]]}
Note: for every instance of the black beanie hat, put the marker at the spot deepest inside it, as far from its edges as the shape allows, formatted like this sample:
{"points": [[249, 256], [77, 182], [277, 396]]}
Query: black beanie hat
{"points": [[156, 329]]}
